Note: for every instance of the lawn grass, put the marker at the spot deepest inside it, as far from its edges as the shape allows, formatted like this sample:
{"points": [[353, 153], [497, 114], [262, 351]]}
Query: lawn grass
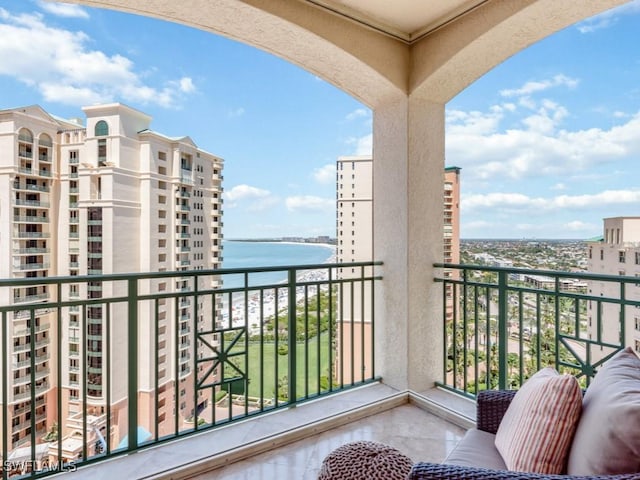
{"points": [[308, 370]]}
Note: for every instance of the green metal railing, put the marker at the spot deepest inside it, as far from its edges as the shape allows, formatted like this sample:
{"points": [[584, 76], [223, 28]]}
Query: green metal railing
{"points": [[122, 370], [504, 324]]}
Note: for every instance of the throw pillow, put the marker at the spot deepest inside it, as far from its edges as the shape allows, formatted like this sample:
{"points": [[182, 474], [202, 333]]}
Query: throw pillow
{"points": [[607, 440], [536, 431]]}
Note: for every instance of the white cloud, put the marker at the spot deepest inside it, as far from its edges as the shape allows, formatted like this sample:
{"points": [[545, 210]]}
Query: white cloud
{"points": [[512, 202], [73, 95], [357, 113], [60, 65], [529, 227], [527, 102], [63, 9], [477, 225], [309, 203], [477, 142], [251, 199], [325, 174], [538, 86], [363, 145], [608, 18], [262, 204], [186, 85], [559, 186], [242, 192], [238, 112], [474, 122], [546, 118], [578, 226]]}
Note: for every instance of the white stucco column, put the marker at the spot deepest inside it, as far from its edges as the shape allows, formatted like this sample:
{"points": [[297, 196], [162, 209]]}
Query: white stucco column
{"points": [[408, 164]]}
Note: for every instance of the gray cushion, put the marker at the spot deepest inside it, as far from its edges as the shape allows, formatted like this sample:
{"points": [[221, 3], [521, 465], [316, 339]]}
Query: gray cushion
{"points": [[476, 449], [607, 440]]}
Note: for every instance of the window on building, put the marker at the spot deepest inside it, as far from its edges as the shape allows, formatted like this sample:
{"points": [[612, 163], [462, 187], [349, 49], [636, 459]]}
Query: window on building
{"points": [[622, 256], [25, 135], [102, 129], [102, 152], [601, 254]]}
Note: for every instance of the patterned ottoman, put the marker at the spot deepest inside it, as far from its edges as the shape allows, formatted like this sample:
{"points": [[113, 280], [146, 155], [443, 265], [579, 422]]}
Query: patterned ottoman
{"points": [[365, 461]]}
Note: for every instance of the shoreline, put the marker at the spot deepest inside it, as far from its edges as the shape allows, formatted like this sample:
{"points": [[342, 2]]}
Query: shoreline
{"points": [[269, 300], [283, 242], [234, 314]]}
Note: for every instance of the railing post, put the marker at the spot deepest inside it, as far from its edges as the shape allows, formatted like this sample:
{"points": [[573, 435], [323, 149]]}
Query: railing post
{"points": [[503, 331], [132, 295], [291, 329]]}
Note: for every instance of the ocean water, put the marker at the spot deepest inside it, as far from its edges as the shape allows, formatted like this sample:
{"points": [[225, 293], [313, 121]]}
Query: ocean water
{"points": [[267, 254]]}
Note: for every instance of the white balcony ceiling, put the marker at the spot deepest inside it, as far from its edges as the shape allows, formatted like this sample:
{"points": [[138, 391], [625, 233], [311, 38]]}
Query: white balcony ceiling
{"points": [[407, 20]]}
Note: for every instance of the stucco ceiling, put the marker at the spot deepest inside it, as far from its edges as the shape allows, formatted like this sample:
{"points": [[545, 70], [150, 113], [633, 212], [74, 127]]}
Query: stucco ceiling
{"points": [[407, 20]]}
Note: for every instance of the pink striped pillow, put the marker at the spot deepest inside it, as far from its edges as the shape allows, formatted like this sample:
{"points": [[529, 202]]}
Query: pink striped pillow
{"points": [[536, 431]]}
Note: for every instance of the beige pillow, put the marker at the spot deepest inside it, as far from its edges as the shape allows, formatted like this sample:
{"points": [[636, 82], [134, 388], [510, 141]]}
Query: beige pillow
{"points": [[607, 440], [536, 431]]}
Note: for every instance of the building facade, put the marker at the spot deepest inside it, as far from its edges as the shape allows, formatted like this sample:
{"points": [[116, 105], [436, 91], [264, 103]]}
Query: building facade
{"points": [[452, 215], [354, 232], [617, 253], [110, 196]]}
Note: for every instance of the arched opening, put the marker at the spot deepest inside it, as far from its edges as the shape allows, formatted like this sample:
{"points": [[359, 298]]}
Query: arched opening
{"points": [[25, 135], [409, 141], [547, 143], [45, 140], [101, 129]]}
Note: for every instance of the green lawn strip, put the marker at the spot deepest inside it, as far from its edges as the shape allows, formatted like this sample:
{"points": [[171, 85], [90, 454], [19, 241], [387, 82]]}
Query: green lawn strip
{"points": [[268, 362]]}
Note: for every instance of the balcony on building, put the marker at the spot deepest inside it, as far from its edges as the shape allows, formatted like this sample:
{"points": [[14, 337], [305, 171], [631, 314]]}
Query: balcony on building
{"points": [[412, 344], [498, 308]]}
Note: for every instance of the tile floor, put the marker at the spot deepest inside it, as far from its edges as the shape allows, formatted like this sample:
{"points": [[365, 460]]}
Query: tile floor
{"points": [[415, 432]]}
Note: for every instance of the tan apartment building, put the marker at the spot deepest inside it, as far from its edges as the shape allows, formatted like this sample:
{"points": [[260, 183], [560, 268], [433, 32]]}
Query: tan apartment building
{"points": [[354, 227], [617, 253], [109, 196], [452, 215]]}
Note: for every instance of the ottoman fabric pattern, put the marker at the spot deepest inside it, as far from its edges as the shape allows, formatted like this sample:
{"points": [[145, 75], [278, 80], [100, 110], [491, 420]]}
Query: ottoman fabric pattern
{"points": [[365, 460]]}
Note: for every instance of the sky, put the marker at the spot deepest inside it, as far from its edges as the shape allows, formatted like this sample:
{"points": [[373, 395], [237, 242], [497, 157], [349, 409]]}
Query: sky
{"points": [[548, 141]]}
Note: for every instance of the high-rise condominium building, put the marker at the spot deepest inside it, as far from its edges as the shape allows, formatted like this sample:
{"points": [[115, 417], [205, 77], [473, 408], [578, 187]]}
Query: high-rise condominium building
{"points": [[618, 253], [354, 226], [109, 196], [452, 215], [354, 222]]}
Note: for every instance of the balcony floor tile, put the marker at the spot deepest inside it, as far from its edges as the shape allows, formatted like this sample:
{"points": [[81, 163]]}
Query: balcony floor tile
{"points": [[415, 432]]}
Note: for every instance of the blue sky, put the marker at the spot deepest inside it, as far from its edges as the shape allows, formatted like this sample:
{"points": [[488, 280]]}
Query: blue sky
{"points": [[548, 142]]}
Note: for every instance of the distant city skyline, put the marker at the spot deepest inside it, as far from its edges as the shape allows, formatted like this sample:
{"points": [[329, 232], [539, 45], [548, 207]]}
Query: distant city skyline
{"points": [[547, 141]]}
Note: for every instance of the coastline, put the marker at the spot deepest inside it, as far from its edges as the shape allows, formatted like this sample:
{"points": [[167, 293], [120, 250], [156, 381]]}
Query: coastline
{"points": [[324, 245], [282, 242], [267, 301]]}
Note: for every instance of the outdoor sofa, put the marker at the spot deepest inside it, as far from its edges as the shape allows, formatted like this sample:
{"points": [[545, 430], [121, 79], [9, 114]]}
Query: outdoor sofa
{"points": [[549, 429], [606, 443]]}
